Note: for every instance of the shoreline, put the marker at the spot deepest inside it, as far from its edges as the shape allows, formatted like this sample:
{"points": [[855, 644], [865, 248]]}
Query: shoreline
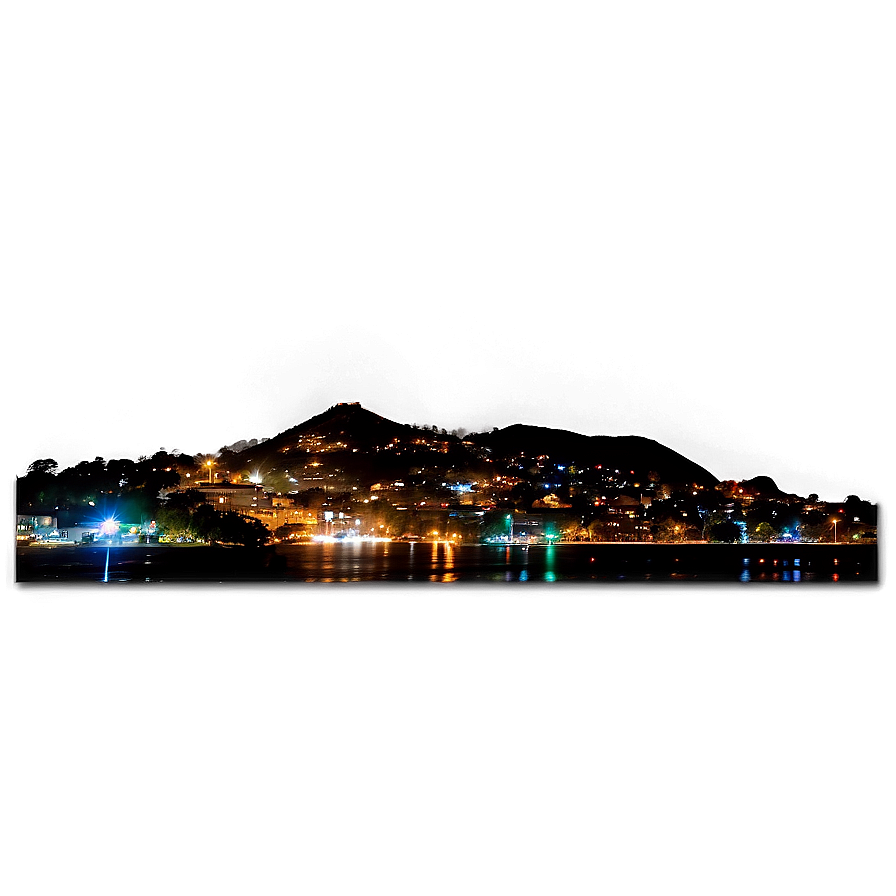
{"points": [[441, 561]]}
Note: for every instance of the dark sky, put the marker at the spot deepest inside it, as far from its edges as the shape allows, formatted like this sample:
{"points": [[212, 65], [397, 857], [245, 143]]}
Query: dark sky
{"points": [[630, 231]]}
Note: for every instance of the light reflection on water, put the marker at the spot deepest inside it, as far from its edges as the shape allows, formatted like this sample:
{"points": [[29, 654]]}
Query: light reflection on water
{"points": [[444, 562], [447, 562]]}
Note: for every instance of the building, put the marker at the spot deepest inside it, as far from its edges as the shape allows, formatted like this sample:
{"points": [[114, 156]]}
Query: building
{"points": [[227, 495], [624, 505]]}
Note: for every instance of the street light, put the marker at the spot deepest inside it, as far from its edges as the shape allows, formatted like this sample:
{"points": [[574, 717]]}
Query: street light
{"points": [[208, 463], [835, 530]]}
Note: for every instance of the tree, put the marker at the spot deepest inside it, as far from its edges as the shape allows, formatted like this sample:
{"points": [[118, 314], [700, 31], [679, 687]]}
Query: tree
{"points": [[495, 524], [724, 531], [775, 513], [232, 528], [174, 521], [671, 530], [600, 530], [813, 526], [186, 500], [39, 487], [763, 532], [205, 524], [47, 466]]}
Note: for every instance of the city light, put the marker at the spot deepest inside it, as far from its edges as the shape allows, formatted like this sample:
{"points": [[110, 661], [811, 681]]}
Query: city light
{"points": [[330, 539]]}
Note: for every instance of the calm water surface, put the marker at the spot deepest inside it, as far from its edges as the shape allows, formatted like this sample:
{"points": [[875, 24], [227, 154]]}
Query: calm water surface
{"points": [[576, 562], [439, 562]]}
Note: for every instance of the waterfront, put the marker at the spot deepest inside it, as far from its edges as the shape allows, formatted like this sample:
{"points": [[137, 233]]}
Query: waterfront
{"points": [[607, 562], [444, 562]]}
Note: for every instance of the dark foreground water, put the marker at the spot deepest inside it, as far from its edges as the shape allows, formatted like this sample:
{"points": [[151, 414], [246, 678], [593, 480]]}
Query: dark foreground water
{"points": [[593, 567], [586, 739]]}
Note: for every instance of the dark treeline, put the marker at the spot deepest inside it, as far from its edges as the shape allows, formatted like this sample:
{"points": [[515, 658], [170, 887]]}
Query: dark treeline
{"points": [[131, 491]]}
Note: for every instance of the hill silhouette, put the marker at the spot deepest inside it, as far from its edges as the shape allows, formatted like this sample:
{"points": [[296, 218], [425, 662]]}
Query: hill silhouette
{"points": [[635, 453], [351, 443]]}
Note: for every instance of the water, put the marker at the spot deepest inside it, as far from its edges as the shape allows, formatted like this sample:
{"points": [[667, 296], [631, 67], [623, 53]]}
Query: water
{"points": [[427, 562], [327, 736], [441, 562]]}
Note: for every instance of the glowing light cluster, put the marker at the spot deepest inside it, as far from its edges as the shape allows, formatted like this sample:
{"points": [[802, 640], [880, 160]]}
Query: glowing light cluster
{"points": [[353, 538]]}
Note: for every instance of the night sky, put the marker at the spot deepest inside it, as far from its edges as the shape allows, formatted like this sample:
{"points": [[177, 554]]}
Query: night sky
{"points": [[647, 235]]}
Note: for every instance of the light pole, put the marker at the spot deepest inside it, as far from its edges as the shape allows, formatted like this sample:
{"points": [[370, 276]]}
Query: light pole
{"points": [[835, 530], [208, 463]]}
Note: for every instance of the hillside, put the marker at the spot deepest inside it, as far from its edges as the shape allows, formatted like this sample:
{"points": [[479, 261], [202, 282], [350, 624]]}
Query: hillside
{"points": [[638, 454], [350, 446]]}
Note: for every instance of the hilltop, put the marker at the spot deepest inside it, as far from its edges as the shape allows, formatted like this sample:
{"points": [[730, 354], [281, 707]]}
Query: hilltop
{"points": [[350, 446]]}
